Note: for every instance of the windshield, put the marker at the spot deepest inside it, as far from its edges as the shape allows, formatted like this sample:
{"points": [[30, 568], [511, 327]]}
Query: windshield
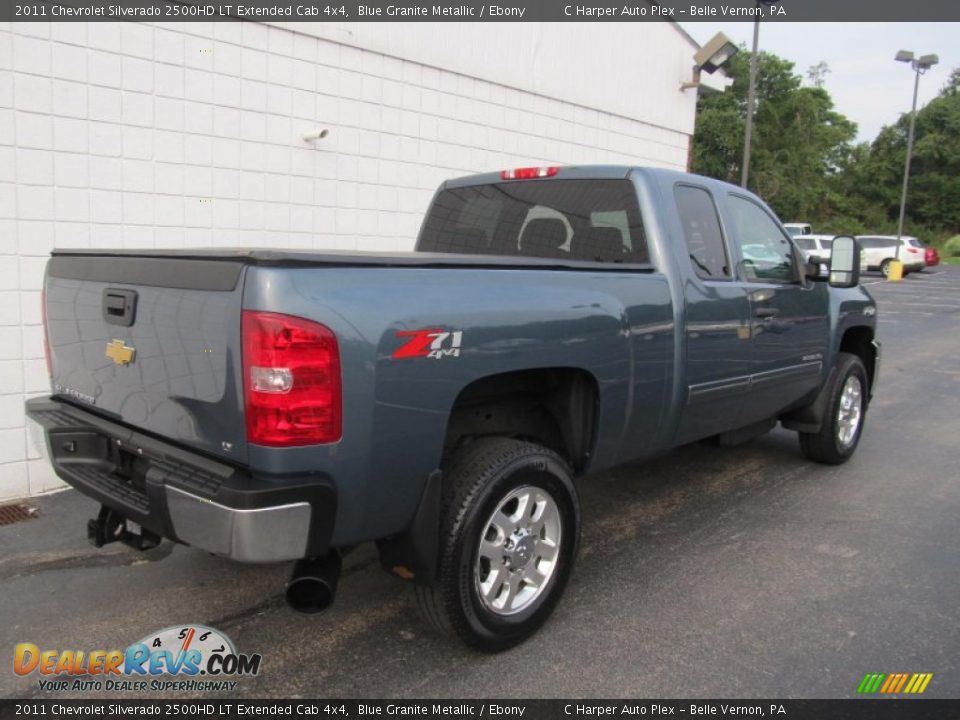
{"points": [[595, 220]]}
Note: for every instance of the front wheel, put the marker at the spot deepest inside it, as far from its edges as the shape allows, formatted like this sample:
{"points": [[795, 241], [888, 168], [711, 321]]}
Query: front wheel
{"points": [[510, 533], [839, 433]]}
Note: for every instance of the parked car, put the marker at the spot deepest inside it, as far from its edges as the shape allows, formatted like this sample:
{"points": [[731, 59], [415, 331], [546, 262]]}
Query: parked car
{"points": [[269, 405], [815, 246], [931, 256], [797, 229], [881, 249]]}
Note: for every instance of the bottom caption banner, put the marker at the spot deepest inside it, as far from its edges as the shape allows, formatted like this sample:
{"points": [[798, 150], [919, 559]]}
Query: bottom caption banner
{"points": [[872, 709]]}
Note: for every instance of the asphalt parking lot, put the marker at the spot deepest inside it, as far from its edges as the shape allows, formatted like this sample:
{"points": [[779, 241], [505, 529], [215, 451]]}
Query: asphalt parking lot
{"points": [[710, 572]]}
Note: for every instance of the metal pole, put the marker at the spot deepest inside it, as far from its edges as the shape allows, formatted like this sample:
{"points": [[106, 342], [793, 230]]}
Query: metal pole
{"points": [[906, 166], [751, 101]]}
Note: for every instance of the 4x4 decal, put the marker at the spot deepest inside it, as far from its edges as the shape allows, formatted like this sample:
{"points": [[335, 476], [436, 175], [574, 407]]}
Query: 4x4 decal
{"points": [[429, 343]]}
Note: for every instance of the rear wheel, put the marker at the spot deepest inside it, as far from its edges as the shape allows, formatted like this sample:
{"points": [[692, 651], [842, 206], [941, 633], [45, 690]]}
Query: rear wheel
{"points": [[510, 533], [840, 431], [885, 268]]}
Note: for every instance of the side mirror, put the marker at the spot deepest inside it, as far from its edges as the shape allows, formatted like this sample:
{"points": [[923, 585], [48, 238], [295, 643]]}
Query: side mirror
{"points": [[845, 262], [812, 268]]}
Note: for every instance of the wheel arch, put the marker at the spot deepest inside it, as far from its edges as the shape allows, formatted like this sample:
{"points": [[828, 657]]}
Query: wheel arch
{"points": [[555, 406], [857, 340]]}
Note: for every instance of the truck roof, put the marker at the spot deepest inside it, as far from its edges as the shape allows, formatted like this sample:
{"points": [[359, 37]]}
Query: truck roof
{"points": [[596, 172]]}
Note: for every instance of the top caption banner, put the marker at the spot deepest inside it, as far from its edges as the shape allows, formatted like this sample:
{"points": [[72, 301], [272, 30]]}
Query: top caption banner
{"points": [[508, 10]]}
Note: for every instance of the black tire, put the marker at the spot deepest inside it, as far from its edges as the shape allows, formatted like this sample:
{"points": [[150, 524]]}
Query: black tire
{"points": [[885, 268], [825, 446], [479, 478]]}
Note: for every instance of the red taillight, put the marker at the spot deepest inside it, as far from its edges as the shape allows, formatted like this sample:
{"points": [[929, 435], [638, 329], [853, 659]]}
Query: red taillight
{"points": [[528, 173], [46, 334], [291, 375]]}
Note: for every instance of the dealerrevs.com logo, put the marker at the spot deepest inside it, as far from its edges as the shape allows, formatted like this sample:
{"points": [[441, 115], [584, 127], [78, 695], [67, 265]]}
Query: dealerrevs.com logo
{"points": [[177, 658]]}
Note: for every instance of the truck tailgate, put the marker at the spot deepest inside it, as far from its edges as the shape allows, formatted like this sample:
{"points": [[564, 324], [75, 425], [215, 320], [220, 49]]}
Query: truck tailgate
{"points": [[153, 343]]}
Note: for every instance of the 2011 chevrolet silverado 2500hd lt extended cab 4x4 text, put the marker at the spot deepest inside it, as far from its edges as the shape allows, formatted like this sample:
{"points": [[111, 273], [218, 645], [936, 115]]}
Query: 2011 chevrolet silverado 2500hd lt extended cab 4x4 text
{"points": [[269, 406]]}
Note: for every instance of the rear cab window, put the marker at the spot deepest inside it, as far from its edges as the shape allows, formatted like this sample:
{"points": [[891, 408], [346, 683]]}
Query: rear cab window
{"points": [[702, 232], [584, 220]]}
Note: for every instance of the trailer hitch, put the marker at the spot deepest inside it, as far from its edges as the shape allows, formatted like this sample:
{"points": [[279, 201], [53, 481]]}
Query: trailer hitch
{"points": [[110, 526]]}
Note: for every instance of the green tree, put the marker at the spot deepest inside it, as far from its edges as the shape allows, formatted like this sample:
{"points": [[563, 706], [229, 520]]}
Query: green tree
{"points": [[872, 182], [817, 74], [799, 142]]}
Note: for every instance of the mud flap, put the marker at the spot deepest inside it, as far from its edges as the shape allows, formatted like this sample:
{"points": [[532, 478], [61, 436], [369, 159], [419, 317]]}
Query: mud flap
{"points": [[413, 554]]}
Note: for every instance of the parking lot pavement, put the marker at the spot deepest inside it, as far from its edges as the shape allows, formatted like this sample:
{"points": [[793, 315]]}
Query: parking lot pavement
{"points": [[726, 572]]}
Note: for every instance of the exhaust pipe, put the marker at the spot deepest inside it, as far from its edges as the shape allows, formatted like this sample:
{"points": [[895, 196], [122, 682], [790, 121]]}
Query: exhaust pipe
{"points": [[313, 584]]}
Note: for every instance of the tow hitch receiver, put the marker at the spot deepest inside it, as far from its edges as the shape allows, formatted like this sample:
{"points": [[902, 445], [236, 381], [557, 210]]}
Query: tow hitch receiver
{"points": [[110, 526]]}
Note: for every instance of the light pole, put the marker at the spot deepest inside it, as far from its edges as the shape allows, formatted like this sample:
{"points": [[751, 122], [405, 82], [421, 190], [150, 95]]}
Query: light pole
{"points": [[751, 94], [920, 66], [751, 101]]}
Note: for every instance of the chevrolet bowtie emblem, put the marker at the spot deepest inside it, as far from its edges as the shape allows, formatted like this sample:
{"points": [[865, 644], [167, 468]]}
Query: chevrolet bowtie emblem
{"points": [[120, 353]]}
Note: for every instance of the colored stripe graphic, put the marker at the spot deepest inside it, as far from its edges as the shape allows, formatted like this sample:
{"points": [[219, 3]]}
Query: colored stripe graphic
{"points": [[870, 683], [918, 683], [894, 683]]}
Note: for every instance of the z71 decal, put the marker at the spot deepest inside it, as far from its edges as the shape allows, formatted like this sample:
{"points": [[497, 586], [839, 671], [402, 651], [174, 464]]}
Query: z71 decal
{"points": [[430, 343]]}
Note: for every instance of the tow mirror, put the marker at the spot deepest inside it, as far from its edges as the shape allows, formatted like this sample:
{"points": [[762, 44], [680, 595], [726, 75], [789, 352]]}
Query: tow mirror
{"points": [[812, 268], [845, 262]]}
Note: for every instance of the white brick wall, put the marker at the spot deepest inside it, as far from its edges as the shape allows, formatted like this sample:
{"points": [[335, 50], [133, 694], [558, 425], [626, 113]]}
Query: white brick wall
{"points": [[174, 135]]}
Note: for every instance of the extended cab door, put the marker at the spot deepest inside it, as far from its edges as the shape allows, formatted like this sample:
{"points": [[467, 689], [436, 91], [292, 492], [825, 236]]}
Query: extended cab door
{"points": [[789, 323], [717, 310]]}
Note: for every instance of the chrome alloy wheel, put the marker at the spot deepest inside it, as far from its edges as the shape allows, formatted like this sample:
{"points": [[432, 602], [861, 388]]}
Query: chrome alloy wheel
{"points": [[519, 550], [850, 411]]}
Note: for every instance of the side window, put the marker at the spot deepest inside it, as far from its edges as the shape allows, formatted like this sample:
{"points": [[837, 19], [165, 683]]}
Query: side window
{"points": [[701, 230], [805, 243], [767, 253]]}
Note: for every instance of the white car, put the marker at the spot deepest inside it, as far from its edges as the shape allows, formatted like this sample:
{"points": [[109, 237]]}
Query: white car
{"points": [[815, 246], [797, 229], [881, 249]]}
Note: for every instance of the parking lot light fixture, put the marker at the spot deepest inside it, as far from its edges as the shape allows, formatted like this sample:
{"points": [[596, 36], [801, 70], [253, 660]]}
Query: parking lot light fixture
{"points": [[920, 66]]}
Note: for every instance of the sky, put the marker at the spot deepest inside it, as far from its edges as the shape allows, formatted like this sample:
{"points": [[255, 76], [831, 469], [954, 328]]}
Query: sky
{"points": [[866, 84]]}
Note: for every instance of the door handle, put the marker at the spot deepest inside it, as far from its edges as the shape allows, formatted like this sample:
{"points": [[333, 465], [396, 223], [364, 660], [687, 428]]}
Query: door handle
{"points": [[765, 312]]}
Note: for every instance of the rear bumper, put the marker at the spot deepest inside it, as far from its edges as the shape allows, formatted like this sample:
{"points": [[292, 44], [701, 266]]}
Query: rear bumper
{"points": [[183, 495]]}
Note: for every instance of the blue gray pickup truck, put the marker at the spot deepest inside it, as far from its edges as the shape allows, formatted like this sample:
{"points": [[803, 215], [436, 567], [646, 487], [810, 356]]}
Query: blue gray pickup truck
{"points": [[272, 406]]}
